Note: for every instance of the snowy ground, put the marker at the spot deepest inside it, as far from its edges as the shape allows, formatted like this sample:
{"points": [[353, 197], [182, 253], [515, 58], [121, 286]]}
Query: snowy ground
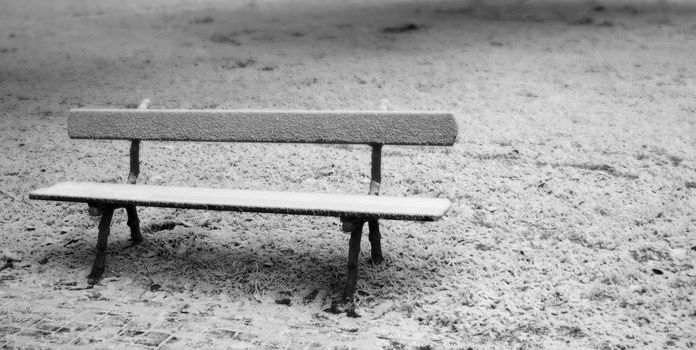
{"points": [[573, 181]]}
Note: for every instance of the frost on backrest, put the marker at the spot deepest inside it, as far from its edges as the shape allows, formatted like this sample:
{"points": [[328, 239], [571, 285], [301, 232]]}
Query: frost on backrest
{"points": [[347, 127]]}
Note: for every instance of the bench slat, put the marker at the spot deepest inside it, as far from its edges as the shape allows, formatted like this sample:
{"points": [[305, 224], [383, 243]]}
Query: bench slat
{"points": [[347, 127], [323, 204]]}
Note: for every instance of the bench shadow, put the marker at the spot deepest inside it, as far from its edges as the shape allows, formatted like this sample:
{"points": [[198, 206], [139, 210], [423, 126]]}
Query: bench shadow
{"points": [[197, 260]]}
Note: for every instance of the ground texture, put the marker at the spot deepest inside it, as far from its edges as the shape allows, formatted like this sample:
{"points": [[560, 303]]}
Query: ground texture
{"points": [[573, 181]]}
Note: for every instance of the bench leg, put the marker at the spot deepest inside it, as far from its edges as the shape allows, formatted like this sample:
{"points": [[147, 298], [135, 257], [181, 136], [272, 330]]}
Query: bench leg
{"points": [[375, 241], [353, 254], [99, 261], [134, 224]]}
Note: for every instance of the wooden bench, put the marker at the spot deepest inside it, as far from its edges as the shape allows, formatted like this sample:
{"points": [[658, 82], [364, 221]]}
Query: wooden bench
{"points": [[375, 128]]}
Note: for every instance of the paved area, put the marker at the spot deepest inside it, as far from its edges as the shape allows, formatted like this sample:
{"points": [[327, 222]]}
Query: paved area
{"points": [[92, 319], [32, 321], [26, 325]]}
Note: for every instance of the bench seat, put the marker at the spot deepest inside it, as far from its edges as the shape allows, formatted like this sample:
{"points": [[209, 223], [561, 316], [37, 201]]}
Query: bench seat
{"points": [[298, 203]]}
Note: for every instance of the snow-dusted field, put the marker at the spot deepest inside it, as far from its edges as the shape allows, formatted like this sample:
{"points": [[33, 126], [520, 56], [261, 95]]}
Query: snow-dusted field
{"points": [[573, 181]]}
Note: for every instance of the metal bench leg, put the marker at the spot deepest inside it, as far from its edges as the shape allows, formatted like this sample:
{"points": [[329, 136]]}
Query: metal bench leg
{"points": [[134, 224], [99, 261], [375, 241], [353, 254]]}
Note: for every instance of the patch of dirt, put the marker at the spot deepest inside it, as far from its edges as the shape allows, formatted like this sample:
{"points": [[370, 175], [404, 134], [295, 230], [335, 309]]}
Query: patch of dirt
{"points": [[409, 27]]}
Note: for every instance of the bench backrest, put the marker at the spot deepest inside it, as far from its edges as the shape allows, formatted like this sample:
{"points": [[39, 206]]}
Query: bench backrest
{"points": [[342, 127]]}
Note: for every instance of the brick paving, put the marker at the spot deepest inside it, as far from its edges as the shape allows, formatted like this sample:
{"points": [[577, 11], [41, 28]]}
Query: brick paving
{"points": [[28, 320], [24, 326], [44, 318]]}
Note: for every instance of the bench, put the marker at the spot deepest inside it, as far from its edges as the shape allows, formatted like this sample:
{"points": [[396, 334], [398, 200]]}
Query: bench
{"points": [[374, 128]]}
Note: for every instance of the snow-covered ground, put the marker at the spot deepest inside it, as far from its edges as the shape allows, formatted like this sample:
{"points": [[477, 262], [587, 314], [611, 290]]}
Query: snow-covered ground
{"points": [[573, 181]]}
